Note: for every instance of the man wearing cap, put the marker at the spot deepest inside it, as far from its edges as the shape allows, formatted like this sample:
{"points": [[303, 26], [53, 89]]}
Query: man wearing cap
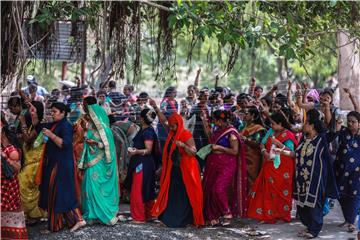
{"points": [[41, 91]]}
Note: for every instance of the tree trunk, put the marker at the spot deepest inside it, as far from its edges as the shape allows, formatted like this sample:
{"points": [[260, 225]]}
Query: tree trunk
{"points": [[348, 70]]}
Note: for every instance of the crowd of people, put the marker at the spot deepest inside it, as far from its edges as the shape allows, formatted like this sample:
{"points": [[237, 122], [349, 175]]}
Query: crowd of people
{"points": [[73, 156]]}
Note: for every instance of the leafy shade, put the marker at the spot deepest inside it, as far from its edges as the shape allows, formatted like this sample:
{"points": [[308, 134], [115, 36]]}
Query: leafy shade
{"points": [[291, 30]]}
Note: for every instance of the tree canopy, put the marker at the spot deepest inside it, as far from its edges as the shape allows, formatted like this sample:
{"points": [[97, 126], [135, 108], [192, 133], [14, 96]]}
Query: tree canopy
{"points": [[128, 37]]}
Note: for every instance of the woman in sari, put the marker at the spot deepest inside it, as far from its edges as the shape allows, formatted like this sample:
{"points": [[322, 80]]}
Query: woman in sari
{"points": [[100, 185], [168, 106], [252, 135], [180, 200], [225, 169], [32, 154], [56, 172], [347, 169], [314, 177], [270, 196], [141, 173], [12, 215]]}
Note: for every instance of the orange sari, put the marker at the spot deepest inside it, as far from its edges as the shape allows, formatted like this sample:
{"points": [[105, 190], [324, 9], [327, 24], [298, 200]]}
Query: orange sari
{"points": [[190, 173]]}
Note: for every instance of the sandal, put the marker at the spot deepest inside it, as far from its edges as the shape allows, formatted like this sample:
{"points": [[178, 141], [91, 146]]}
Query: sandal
{"points": [[343, 224], [215, 223], [122, 218], [302, 233], [309, 236], [226, 222], [351, 228], [78, 225]]}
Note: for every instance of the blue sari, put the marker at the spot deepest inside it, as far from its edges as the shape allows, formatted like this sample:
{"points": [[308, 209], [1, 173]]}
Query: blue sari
{"points": [[347, 170]]}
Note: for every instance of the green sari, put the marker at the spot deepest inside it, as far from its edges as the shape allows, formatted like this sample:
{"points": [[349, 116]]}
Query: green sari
{"points": [[100, 185]]}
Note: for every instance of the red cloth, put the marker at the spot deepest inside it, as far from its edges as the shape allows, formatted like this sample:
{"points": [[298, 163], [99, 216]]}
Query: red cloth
{"points": [[271, 194], [10, 189], [139, 210], [189, 169]]}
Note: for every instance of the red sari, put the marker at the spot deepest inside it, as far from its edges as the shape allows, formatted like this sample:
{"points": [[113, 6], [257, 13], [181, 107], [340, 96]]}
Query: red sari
{"points": [[271, 194], [12, 216], [190, 173]]}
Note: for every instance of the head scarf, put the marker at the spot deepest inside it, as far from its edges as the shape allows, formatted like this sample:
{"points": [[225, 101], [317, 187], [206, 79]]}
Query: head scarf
{"points": [[313, 93], [101, 121], [175, 118]]}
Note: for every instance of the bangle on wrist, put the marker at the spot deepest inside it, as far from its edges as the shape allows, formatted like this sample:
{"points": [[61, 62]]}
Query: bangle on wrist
{"points": [[283, 148]]}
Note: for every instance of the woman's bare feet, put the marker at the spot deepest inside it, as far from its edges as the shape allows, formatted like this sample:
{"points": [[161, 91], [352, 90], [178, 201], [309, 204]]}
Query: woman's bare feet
{"points": [[78, 225], [45, 231], [214, 223], [343, 224], [351, 228], [137, 222]]}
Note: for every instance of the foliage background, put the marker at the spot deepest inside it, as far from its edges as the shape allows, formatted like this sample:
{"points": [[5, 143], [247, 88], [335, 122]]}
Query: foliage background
{"points": [[158, 44]]}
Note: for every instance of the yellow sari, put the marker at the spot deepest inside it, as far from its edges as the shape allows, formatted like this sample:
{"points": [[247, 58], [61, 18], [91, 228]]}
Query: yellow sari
{"points": [[29, 191]]}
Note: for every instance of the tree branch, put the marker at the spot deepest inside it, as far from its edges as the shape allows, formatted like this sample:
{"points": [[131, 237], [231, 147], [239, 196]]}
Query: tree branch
{"points": [[157, 6]]}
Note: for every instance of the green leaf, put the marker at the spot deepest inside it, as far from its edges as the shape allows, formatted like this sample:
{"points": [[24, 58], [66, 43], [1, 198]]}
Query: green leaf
{"points": [[71, 40], [172, 19], [242, 42], [179, 2], [229, 6], [283, 49], [290, 53]]}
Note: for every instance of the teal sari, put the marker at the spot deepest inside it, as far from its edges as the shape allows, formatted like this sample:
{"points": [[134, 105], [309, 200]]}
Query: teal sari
{"points": [[100, 185]]}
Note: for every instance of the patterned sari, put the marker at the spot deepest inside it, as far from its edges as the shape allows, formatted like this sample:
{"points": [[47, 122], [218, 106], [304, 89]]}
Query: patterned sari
{"points": [[347, 170], [223, 174], [28, 189], [100, 185], [272, 190], [12, 215]]}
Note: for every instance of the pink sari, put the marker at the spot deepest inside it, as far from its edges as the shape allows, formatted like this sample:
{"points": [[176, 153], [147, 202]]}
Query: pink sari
{"points": [[225, 178]]}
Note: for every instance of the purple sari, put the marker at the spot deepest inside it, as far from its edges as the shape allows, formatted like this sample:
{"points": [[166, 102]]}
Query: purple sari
{"points": [[225, 178]]}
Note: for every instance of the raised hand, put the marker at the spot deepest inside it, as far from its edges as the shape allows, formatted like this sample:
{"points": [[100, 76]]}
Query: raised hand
{"points": [[347, 91], [152, 103], [306, 85], [32, 109], [289, 84]]}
